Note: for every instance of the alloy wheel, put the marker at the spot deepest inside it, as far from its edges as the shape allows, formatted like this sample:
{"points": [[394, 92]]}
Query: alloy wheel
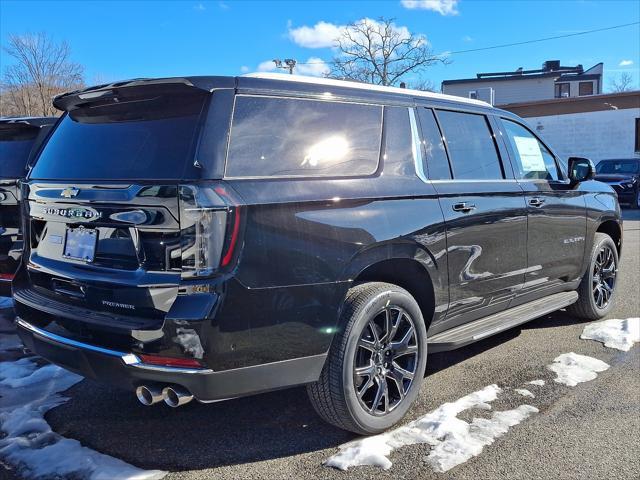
{"points": [[604, 276], [386, 360]]}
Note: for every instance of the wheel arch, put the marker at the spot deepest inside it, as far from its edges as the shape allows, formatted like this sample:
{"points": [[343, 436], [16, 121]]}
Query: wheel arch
{"points": [[613, 229], [408, 266]]}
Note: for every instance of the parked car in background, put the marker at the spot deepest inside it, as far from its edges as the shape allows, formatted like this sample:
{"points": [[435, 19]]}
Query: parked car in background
{"points": [[214, 237], [624, 176], [19, 138]]}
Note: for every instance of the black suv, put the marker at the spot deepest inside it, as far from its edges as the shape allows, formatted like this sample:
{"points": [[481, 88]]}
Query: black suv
{"points": [[19, 139], [214, 237], [624, 177]]}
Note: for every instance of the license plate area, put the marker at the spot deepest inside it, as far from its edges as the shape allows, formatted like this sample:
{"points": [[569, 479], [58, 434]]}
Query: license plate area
{"points": [[80, 244]]}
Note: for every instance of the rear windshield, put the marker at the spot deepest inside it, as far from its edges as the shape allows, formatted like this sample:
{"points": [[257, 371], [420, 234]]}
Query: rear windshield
{"points": [[149, 138], [618, 166], [15, 146]]}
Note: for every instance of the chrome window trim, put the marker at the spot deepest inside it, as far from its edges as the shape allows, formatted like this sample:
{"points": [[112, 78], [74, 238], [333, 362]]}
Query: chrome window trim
{"points": [[416, 147]]}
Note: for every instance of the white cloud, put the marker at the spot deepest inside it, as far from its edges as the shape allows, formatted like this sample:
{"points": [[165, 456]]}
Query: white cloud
{"points": [[315, 67], [312, 67], [267, 66], [625, 63], [324, 34], [321, 35], [223, 5], [443, 7], [244, 69], [467, 39], [199, 7]]}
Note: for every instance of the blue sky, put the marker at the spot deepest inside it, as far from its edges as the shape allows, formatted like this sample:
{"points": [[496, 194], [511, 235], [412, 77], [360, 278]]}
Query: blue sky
{"points": [[118, 39]]}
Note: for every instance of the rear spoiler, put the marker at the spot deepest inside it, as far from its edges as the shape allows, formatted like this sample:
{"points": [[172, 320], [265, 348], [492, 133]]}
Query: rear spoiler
{"points": [[173, 85]]}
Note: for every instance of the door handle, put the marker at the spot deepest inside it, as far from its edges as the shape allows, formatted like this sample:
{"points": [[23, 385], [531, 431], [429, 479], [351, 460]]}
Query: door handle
{"points": [[464, 207], [536, 201]]}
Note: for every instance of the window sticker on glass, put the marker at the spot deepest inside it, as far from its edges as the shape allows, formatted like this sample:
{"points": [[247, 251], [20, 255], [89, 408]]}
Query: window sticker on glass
{"points": [[530, 154]]}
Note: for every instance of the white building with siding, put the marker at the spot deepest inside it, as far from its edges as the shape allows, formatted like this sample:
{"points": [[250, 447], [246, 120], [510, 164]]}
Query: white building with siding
{"points": [[551, 81], [597, 127]]}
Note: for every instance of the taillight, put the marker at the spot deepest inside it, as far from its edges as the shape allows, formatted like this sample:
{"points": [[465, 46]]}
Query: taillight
{"points": [[210, 221]]}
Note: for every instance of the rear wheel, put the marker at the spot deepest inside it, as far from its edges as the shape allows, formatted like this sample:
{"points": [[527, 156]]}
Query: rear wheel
{"points": [[376, 363], [597, 289]]}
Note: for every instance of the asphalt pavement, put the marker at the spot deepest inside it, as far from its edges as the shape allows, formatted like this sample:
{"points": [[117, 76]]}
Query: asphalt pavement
{"points": [[591, 431]]}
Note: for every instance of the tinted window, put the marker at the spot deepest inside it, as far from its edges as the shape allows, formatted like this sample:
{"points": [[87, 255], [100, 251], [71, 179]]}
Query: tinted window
{"points": [[533, 160], [295, 137], [471, 146], [150, 139], [15, 146], [436, 163], [398, 155], [618, 166]]}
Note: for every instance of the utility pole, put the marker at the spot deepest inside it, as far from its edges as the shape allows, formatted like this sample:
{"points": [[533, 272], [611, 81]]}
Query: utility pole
{"points": [[288, 64]]}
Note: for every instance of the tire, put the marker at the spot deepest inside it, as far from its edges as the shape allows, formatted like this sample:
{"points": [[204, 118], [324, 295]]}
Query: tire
{"points": [[590, 305], [368, 310]]}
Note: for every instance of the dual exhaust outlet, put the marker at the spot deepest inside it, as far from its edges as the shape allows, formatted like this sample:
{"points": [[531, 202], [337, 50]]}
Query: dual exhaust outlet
{"points": [[173, 396]]}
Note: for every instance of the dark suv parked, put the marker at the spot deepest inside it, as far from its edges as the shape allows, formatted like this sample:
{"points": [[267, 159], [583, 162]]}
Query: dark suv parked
{"points": [[19, 138], [213, 237], [624, 177]]}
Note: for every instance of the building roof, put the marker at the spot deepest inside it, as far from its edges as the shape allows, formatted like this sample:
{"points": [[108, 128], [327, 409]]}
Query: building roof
{"points": [[563, 106], [551, 68]]}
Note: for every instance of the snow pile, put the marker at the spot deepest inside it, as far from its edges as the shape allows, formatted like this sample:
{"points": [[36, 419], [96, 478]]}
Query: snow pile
{"points": [[524, 392], [572, 369], [28, 391], [454, 441], [6, 302], [614, 333], [538, 383]]}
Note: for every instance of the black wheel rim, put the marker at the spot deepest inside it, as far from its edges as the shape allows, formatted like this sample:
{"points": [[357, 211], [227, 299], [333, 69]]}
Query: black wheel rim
{"points": [[604, 276], [386, 360]]}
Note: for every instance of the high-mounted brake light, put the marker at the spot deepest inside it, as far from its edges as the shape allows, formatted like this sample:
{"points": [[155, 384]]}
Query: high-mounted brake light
{"points": [[210, 227]]}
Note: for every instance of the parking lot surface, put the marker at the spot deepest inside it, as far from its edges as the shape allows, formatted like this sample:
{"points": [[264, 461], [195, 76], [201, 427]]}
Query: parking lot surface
{"points": [[589, 431]]}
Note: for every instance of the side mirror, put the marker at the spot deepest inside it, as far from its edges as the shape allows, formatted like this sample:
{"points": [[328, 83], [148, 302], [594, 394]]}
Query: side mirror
{"points": [[580, 169]]}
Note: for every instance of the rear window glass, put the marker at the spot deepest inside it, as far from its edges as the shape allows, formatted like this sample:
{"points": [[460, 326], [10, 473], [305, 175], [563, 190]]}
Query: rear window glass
{"points": [[295, 137], [15, 147], [472, 149], [149, 138], [436, 160]]}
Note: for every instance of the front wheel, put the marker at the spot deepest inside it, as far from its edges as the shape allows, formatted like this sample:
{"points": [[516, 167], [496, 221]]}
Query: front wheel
{"points": [[597, 288], [376, 363]]}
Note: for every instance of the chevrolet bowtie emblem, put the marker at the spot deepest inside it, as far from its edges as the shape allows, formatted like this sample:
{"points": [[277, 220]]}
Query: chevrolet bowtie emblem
{"points": [[70, 192]]}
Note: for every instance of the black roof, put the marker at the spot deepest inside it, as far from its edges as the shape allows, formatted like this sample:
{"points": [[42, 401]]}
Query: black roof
{"points": [[268, 82]]}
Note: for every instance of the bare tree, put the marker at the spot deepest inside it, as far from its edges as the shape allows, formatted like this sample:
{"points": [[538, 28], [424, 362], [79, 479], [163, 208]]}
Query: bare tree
{"points": [[424, 85], [380, 52], [622, 83], [42, 69]]}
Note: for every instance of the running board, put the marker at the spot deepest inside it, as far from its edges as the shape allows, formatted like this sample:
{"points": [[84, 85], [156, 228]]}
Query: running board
{"points": [[485, 327]]}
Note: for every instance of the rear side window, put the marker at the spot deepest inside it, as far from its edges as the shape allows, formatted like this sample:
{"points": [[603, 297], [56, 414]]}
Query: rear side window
{"points": [[294, 137], [16, 142], [149, 138], [471, 146], [533, 159], [436, 161]]}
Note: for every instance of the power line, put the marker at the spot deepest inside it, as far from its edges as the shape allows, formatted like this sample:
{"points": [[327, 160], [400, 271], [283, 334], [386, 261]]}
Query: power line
{"points": [[504, 45]]}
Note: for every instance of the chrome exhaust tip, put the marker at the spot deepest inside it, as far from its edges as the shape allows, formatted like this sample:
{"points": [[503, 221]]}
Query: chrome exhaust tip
{"points": [[148, 395], [176, 396]]}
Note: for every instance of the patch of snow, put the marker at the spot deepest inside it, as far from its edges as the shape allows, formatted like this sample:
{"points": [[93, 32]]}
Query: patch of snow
{"points": [[454, 441], [524, 392], [28, 391], [6, 302], [614, 333], [572, 368], [539, 383]]}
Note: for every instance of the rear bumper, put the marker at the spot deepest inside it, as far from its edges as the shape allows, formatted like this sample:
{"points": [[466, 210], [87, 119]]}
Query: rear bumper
{"points": [[127, 371]]}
